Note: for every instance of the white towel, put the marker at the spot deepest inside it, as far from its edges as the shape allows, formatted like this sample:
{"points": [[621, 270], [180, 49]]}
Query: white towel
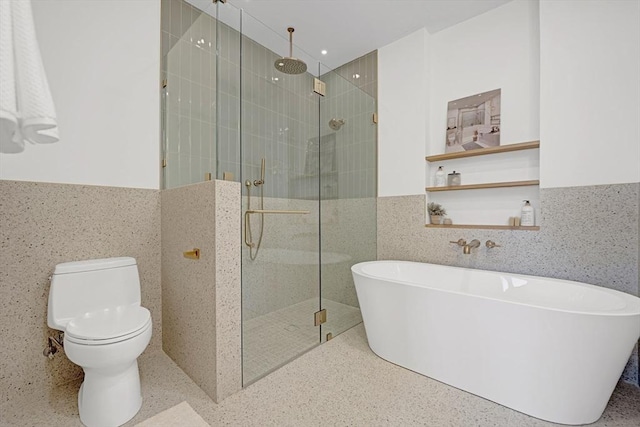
{"points": [[26, 108]]}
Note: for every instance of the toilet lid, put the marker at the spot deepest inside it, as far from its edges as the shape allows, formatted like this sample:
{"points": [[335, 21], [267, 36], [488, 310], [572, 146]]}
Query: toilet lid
{"points": [[109, 324]]}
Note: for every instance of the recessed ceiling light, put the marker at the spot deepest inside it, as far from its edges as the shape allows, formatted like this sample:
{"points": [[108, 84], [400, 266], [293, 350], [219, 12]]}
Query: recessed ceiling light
{"points": [[324, 52], [356, 76]]}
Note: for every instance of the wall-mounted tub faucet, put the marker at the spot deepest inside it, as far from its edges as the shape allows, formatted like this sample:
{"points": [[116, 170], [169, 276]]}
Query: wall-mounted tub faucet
{"points": [[459, 242], [475, 243]]}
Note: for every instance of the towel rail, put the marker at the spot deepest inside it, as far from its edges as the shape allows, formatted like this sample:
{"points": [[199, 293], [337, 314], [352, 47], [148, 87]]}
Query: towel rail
{"points": [[247, 233]]}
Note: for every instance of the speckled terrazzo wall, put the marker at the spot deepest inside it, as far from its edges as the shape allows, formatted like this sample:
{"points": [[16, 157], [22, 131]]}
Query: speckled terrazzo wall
{"points": [[201, 298], [588, 234], [44, 224]]}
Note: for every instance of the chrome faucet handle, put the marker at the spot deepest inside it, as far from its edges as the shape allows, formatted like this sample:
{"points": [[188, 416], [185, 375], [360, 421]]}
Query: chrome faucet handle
{"points": [[460, 242], [491, 244]]}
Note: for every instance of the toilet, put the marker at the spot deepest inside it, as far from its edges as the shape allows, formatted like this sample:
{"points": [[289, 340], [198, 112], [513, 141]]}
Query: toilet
{"points": [[96, 303]]}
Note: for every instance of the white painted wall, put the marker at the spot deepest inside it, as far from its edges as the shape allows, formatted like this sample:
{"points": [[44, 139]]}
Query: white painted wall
{"points": [[590, 92], [403, 109], [419, 74], [569, 77], [495, 50], [102, 59]]}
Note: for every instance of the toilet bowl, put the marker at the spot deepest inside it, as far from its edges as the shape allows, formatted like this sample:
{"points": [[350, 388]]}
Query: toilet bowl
{"points": [[97, 305]]}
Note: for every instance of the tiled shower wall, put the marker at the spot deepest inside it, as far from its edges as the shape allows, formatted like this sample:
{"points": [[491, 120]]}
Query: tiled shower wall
{"points": [[279, 117], [587, 234], [201, 105], [189, 94], [352, 97], [44, 224]]}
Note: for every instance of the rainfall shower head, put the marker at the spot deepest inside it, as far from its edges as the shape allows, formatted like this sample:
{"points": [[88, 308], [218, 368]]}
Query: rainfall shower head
{"points": [[289, 64], [336, 124]]}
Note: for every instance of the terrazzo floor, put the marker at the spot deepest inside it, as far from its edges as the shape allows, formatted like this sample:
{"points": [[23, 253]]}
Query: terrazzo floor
{"points": [[340, 383], [275, 338]]}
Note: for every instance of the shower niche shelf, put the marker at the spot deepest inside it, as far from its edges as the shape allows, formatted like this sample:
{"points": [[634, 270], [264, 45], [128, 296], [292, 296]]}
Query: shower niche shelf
{"points": [[531, 145], [486, 185], [483, 227], [484, 151]]}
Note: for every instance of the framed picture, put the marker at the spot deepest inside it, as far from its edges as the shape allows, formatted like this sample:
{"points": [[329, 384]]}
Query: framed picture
{"points": [[473, 122]]}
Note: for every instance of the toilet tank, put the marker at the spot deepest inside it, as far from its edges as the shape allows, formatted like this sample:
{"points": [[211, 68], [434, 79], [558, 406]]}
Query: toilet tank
{"points": [[82, 286]]}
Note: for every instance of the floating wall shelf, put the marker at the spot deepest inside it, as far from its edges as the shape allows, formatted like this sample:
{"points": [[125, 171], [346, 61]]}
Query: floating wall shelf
{"points": [[483, 227], [487, 185], [484, 151]]}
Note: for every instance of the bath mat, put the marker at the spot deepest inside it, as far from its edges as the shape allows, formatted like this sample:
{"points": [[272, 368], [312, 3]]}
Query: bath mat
{"points": [[471, 146], [180, 415]]}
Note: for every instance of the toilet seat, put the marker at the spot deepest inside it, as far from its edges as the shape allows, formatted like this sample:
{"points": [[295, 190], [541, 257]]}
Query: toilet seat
{"points": [[107, 326]]}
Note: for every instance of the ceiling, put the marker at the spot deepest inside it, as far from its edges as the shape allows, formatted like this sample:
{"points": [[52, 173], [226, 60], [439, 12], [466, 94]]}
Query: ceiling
{"points": [[346, 29]]}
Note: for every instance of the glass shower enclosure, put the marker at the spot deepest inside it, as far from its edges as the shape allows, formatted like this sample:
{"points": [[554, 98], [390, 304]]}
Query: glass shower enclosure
{"points": [[306, 162]]}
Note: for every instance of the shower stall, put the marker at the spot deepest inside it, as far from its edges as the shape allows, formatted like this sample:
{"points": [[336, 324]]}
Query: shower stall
{"points": [[301, 140]]}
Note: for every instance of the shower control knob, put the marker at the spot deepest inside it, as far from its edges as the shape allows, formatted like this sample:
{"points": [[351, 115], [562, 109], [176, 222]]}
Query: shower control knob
{"points": [[459, 242], [491, 244]]}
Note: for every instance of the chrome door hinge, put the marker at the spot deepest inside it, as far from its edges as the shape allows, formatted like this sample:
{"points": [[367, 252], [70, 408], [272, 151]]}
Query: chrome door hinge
{"points": [[374, 118], [164, 163]]}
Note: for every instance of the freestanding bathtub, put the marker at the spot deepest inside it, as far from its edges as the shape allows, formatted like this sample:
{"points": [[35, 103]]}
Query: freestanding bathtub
{"points": [[549, 348]]}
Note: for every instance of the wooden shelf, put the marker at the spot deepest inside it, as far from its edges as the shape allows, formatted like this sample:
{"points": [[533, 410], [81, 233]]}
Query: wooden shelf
{"points": [[484, 151], [484, 227], [487, 185]]}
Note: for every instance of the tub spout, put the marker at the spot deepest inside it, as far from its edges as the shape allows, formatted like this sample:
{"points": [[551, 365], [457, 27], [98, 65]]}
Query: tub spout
{"points": [[475, 243]]}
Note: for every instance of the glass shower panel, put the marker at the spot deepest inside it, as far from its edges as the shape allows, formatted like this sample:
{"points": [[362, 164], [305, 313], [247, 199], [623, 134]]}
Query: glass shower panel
{"points": [[227, 105], [347, 171], [280, 204], [189, 47]]}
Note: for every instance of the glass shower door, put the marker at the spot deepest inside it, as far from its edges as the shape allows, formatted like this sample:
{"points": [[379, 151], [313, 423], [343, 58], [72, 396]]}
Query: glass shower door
{"points": [[348, 159], [280, 204]]}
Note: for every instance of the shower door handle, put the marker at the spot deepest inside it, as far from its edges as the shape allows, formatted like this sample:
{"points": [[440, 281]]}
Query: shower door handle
{"points": [[262, 211]]}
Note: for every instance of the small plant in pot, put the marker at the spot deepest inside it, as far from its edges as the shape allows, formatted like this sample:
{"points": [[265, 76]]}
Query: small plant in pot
{"points": [[436, 212]]}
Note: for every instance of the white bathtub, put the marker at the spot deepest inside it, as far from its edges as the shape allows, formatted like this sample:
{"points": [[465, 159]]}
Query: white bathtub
{"points": [[549, 348]]}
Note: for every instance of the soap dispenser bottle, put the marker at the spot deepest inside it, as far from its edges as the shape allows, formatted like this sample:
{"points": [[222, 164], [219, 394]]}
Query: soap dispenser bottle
{"points": [[527, 216], [441, 177]]}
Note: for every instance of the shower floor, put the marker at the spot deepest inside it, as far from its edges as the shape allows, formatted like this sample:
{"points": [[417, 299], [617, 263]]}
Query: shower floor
{"points": [[273, 339]]}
